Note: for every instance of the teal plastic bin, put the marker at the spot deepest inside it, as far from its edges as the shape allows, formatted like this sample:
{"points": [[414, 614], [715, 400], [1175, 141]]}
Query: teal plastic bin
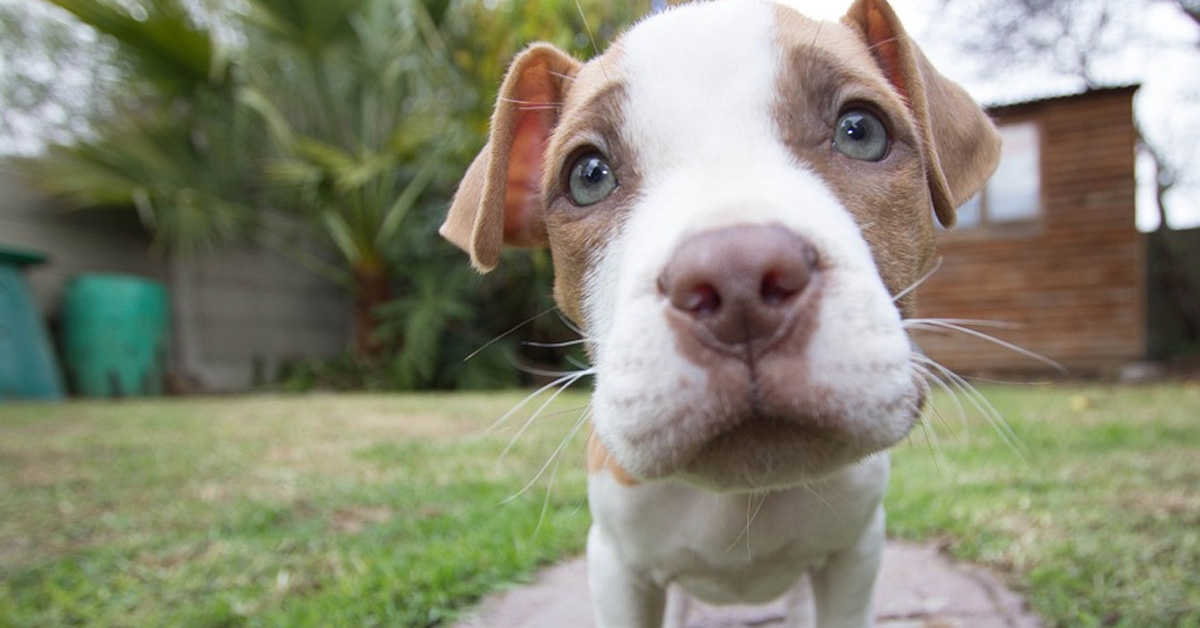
{"points": [[115, 331], [28, 368]]}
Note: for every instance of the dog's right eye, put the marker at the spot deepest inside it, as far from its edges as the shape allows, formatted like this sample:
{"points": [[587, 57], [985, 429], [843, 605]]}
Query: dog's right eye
{"points": [[591, 179], [861, 135]]}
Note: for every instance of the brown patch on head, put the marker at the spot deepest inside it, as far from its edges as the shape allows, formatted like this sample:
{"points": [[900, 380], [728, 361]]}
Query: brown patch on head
{"points": [[592, 119], [869, 63], [961, 146], [551, 109], [826, 70]]}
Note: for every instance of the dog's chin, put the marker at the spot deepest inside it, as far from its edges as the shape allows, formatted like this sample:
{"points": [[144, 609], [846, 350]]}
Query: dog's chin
{"points": [[763, 453], [767, 454]]}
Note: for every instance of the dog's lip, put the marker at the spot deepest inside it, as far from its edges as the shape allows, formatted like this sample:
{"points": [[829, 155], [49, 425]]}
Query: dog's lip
{"points": [[822, 451], [742, 431], [761, 428], [815, 440]]}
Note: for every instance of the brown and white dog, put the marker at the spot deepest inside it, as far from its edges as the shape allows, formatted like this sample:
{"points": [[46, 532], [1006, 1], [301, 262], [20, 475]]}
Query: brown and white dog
{"points": [[738, 201]]}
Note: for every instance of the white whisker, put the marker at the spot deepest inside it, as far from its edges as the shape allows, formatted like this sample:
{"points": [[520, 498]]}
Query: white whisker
{"points": [[832, 510], [508, 333], [530, 397], [587, 27], [533, 370], [917, 284], [940, 322], [927, 369], [980, 403], [931, 437], [552, 463], [554, 345], [582, 365], [592, 38], [751, 514], [573, 327], [566, 383], [935, 445], [955, 325], [530, 104], [540, 107]]}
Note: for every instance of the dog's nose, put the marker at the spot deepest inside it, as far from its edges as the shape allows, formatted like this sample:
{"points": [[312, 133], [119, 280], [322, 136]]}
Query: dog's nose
{"points": [[740, 284]]}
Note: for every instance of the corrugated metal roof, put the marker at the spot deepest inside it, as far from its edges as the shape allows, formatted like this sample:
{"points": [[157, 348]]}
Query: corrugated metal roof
{"points": [[1018, 99]]}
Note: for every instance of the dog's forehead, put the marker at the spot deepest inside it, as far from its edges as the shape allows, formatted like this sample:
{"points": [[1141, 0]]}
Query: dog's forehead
{"points": [[715, 67]]}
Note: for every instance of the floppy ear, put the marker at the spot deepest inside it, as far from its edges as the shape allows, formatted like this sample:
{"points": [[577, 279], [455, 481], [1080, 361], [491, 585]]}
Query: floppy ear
{"points": [[962, 147], [499, 200]]}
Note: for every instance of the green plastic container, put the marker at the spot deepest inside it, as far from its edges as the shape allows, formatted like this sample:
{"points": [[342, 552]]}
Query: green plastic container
{"points": [[115, 331], [28, 368]]}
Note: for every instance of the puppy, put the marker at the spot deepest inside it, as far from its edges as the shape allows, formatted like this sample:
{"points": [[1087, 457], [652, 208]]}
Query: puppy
{"points": [[738, 201]]}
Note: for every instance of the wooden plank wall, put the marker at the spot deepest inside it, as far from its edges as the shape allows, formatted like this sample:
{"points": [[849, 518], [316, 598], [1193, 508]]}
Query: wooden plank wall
{"points": [[1073, 282]]}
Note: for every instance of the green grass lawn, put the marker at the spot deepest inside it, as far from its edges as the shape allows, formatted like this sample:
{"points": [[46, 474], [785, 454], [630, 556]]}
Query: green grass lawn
{"points": [[400, 510], [298, 511], [1097, 523]]}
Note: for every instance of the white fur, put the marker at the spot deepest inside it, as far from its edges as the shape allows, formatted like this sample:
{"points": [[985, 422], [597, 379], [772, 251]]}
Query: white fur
{"points": [[736, 548], [711, 158]]}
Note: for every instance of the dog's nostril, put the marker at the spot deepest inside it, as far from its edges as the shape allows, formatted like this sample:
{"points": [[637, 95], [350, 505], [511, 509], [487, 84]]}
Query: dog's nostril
{"points": [[778, 285], [701, 298]]}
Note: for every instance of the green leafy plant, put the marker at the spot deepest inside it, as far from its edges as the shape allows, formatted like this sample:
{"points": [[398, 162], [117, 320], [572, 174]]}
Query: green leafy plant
{"points": [[332, 131]]}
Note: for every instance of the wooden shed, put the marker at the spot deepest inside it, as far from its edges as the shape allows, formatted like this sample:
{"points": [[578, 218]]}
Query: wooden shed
{"points": [[1049, 251]]}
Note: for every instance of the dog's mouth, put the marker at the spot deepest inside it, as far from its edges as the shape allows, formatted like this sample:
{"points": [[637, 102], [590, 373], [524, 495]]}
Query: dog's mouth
{"points": [[764, 446], [768, 438], [765, 452]]}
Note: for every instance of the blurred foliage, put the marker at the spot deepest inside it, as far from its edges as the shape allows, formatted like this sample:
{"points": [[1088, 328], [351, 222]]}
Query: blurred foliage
{"points": [[484, 40], [334, 132]]}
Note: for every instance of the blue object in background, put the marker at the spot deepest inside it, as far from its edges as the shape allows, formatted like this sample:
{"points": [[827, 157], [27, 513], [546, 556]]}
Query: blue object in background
{"points": [[28, 369], [114, 333]]}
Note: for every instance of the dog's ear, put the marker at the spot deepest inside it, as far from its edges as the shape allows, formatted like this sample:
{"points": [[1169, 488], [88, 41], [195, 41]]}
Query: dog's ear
{"points": [[962, 147], [499, 200]]}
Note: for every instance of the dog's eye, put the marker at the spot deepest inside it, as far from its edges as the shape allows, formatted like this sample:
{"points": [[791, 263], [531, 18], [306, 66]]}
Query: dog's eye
{"points": [[861, 135], [591, 180]]}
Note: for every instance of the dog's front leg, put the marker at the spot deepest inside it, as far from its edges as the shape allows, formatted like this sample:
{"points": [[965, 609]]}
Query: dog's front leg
{"points": [[844, 586], [621, 597], [801, 608]]}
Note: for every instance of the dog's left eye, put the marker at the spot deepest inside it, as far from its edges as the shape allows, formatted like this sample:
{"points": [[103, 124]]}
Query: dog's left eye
{"points": [[861, 135], [591, 180]]}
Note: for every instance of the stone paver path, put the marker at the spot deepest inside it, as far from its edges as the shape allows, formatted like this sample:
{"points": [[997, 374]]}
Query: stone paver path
{"points": [[918, 588]]}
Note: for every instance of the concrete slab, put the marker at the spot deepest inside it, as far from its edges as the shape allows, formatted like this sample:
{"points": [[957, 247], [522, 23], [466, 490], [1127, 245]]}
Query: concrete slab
{"points": [[918, 588]]}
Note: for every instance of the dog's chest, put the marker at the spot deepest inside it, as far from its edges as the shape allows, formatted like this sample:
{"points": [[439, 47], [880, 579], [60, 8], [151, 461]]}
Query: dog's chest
{"points": [[727, 548]]}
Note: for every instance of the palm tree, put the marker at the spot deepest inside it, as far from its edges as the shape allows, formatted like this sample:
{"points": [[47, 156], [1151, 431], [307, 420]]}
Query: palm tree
{"points": [[331, 131], [336, 102]]}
